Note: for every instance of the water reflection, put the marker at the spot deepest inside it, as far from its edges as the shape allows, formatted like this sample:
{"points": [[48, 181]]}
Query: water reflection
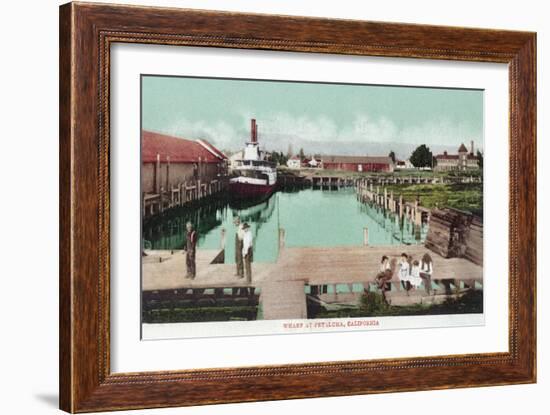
{"points": [[310, 218]]}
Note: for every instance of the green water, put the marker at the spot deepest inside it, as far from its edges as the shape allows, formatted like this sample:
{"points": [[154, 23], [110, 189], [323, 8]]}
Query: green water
{"points": [[309, 217]]}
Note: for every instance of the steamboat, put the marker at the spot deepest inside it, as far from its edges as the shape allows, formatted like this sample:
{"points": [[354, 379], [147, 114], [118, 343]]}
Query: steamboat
{"points": [[253, 177]]}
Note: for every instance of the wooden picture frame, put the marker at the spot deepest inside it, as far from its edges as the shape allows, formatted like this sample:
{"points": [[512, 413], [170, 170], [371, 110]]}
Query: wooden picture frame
{"points": [[86, 33]]}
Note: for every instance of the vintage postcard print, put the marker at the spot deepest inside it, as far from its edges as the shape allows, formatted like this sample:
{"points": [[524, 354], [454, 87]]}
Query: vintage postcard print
{"points": [[273, 207]]}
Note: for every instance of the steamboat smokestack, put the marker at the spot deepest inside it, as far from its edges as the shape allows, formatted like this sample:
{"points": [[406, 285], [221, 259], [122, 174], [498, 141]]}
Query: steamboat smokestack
{"points": [[253, 131], [472, 146]]}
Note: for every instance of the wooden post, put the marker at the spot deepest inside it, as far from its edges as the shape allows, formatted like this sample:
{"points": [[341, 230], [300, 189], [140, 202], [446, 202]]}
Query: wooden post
{"points": [[281, 238], [186, 197], [222, 239], [365, 236], [157, 175], [385, 198], [417, 213], [400, 206], [168, 184], [143, 210]]}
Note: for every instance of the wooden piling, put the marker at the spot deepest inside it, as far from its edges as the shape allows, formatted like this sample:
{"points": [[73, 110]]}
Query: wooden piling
{"points": [[144, 211], [281, 238], [417, 214], [365, 236], [157, 174], [222, 239]]}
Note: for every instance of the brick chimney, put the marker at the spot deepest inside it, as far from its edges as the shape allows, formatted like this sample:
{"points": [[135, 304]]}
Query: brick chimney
{"points": [[253, 131]]}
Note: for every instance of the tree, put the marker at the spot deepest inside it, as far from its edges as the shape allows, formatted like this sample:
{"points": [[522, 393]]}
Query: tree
{"points": [[392, 156], [422, 157], [479, 159], [302, 155], [278, 157]]}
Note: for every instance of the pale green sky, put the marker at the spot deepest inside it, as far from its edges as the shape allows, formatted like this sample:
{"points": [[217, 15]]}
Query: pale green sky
{"points": [[305, 113]]}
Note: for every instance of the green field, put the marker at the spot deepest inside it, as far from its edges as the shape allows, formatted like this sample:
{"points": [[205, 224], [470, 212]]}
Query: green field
{"points": [[463, 196]]}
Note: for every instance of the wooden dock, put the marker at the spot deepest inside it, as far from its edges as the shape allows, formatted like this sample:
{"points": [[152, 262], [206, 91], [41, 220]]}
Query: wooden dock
{"points": [[282, 284], [368, 193], [181, 194], [335, 179]]}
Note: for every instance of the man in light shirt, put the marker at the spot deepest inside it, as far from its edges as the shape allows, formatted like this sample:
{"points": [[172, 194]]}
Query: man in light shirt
{"points": [[247, 252], [239, 236]]}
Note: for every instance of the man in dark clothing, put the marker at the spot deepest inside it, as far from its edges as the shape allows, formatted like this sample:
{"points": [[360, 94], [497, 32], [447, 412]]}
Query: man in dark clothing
{"points": [[191, 249]]}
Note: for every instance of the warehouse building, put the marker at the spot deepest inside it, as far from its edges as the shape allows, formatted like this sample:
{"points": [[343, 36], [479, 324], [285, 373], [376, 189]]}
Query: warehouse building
{"points": [[358, 163]]}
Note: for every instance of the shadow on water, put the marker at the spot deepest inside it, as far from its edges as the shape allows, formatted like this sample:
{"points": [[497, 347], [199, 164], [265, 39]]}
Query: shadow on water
{"points": [[311, 217], [402, 230], [168, 231]]}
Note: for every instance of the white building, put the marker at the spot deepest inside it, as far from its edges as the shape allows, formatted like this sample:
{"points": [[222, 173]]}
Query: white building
{"points": [[403, 165], [464, 160], [294, 162], [313, 163]]}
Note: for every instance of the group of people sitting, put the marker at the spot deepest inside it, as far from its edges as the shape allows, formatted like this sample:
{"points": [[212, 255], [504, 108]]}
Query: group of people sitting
{"points": [[411, 272]]}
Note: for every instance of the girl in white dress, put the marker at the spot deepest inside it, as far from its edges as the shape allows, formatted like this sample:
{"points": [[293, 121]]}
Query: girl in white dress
{"points": [[415, 279], [404, 270]]}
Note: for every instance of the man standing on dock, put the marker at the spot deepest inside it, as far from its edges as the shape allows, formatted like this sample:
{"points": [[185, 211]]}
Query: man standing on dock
{"points": [[239, 236], [247, 252], [191, 250]]}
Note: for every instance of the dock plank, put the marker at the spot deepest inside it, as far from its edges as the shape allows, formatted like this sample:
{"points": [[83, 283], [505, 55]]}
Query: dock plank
{"points": [[314, 265], [283, 300]]}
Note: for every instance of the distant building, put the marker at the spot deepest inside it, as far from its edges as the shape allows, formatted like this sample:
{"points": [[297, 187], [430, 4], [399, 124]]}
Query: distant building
{"points": [[358, 163], [403, 165], [169, 161], [294, 162], [464, 160], [313, 162]]}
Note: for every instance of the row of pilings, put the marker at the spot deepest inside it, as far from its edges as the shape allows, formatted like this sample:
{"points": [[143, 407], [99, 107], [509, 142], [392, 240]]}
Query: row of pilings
{"points": [[343, 180], [379, 196], [181, 194]]}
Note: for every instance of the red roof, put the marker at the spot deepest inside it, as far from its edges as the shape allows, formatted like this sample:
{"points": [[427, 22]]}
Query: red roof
{"points": [[179, 150]]}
